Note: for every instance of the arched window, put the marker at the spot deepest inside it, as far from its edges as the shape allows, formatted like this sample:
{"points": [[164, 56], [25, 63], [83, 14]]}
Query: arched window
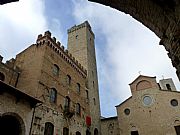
{"points": [[53, 95], [78, 109], [168, 87], [94, 100], [67, 102], [76, 36], [78, 87], [55, 70], [87, 94], [49, 128], [65, 131], [93, 84], [95, 131], [88, 132], [78, 133], [68, 79], [2, 77]]}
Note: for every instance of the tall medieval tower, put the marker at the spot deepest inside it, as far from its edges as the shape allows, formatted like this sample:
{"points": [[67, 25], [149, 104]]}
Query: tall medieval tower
{"points": [[81, 46]]}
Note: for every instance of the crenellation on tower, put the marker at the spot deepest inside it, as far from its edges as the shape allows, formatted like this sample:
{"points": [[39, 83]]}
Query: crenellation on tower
{"points": [[54, 39], [47, 33], [77, 27], [60, 49]]}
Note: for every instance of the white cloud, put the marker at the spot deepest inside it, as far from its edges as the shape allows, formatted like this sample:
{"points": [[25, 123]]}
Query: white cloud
{"points": [[129, 48], [21, 22]]}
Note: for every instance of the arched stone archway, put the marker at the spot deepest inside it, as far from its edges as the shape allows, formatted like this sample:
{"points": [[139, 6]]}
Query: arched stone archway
{"points": [[11, 124], [160, 16]]}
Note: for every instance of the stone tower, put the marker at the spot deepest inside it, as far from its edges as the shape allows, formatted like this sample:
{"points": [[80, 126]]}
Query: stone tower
{"points": [[81, 45]]}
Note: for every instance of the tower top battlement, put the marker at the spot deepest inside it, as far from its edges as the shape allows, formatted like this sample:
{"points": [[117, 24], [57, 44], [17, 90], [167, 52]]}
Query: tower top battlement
{"points": [[46, 39], [84, 24]]}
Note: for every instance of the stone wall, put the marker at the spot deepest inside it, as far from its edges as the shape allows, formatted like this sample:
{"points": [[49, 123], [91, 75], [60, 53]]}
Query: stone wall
{"points": [[110, 126]]}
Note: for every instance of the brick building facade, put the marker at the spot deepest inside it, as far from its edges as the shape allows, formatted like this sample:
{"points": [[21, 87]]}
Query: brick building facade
{"points": [[48, 72]]}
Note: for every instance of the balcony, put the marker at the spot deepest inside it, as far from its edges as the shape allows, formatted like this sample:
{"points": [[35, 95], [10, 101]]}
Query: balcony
{"points": [[68, 112]]}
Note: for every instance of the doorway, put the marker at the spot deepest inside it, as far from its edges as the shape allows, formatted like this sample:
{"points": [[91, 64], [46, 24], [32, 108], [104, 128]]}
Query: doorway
{"points": [[10, 125], [177, 128]]}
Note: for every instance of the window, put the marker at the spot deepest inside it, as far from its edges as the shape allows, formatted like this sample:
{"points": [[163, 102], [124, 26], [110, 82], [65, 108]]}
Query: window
{"points": [[111, 126], [127, 111], [2, 77], [53, 95], [93, 83], [56, 70], [174, 102], [78, 108], [65, 131], [168, 87], [94, 100], [68, 79], [95, 131], [49, 128], [134, 133], [67, 102], [147, 100], [87, 94], [78, 133], [88, 132], [78, 87], [76, 36]]}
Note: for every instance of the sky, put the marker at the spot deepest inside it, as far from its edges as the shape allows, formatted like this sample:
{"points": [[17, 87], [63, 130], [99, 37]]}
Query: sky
{"points": [[124, 47]]}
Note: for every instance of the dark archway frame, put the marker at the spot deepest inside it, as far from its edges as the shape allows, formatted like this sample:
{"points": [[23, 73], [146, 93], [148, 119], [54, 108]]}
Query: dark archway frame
{"points": [[160, 16], [18, 118]]}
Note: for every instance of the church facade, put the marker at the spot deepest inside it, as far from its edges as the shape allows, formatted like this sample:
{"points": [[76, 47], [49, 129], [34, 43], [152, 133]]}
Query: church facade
{"points": [[153, 109]]}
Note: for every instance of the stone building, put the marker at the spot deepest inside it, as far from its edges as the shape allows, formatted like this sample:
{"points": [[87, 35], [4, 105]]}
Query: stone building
{"points": [[151, 110], [110, 126], [63, 80]]}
